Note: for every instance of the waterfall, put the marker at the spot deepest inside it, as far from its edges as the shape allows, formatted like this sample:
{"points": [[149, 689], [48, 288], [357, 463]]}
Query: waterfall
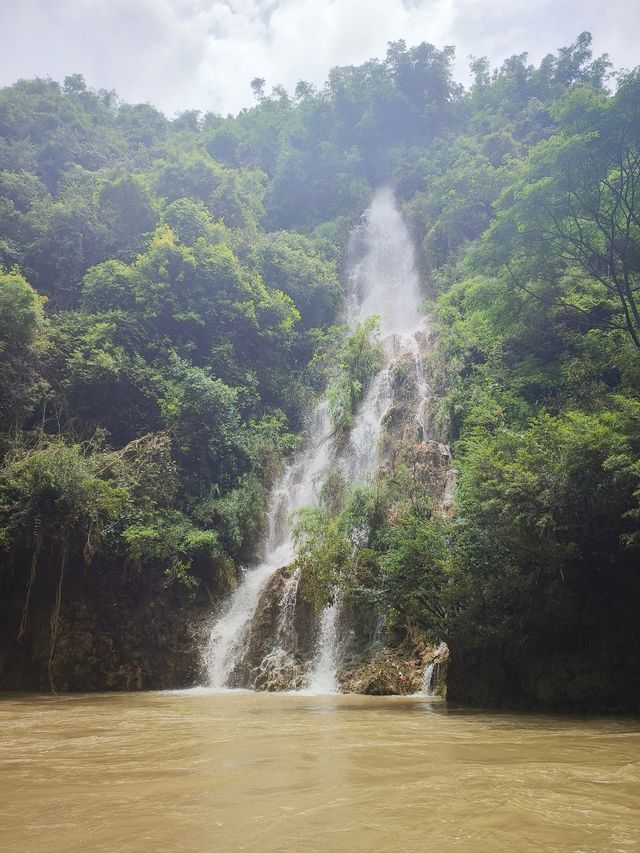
{"points": [[428, 679], [360, 457], [297, 488], [431, 677], [386, 283], [383, 281], [230, 631], [323, 674]]}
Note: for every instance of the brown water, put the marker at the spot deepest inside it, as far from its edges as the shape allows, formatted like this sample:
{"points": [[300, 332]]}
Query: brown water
{"points": [[206, 772]]}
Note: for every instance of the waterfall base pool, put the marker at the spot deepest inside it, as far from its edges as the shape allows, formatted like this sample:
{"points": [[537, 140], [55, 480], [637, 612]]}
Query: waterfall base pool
{"points": [[238, 771]]}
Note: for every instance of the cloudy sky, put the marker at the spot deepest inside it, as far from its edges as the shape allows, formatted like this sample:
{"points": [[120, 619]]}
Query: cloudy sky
{"points": [[202, 54]]}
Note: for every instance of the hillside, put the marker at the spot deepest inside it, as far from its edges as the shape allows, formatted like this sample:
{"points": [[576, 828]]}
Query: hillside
{"points": [[171, 306]]}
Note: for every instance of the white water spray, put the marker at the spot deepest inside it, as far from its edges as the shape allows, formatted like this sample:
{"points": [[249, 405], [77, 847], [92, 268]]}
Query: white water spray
{"points": [[386, 284], [298, 487], [431, 676], [323, 676], [427, 680]]}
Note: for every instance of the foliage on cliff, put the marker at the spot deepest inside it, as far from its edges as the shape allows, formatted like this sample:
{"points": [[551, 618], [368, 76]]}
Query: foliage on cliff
{"points": [[167, 292]]}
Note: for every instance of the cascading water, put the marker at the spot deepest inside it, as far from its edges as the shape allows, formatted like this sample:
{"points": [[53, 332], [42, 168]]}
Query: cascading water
{"points": [[427, 681], [431, 676], [383, 282], [297, 488], [360, 456], [323, 674]]}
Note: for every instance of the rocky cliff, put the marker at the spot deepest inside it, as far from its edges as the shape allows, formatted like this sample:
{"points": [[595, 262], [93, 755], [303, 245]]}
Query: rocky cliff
{"points": [[118, 629]]}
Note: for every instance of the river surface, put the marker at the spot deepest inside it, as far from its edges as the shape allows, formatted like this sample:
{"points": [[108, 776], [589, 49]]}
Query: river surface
{"points": [[199, 771]]}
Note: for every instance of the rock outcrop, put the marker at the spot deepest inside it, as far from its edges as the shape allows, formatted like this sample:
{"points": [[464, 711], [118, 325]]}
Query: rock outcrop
{"points": [[398, 669], [116, 631], [281, 638]]}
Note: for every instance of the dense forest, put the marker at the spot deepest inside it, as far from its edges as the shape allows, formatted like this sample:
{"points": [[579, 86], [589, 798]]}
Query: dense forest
{"points": [[170, 309]]}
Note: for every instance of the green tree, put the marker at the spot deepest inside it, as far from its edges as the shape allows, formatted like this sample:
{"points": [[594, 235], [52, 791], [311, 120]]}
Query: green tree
{"points": [[21, 335], [571, 223], [358, 361]]}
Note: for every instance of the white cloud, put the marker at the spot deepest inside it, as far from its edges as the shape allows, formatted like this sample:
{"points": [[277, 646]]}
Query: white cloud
{"points": [[182, 54]]}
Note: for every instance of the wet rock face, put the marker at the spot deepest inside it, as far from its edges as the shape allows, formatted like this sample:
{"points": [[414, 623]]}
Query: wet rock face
{"points": [[375, 660], [262, 633], [430, 462], [281, 638], [275, 675], [404, 382], [387, 674], [403, 439], [397, 670], [116, 632], [363, 634]]}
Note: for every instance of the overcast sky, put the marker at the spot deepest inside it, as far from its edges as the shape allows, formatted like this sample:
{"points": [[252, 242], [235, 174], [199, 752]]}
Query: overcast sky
{"points": [[202, 54]]}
